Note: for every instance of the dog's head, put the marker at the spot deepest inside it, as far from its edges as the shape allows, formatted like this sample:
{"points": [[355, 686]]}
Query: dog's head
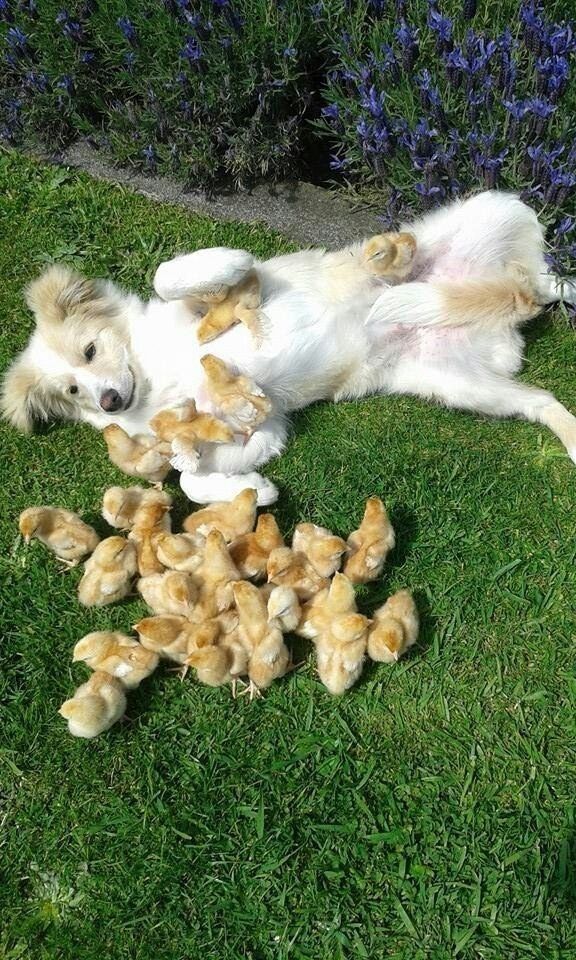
{"points": [[77, 362]]}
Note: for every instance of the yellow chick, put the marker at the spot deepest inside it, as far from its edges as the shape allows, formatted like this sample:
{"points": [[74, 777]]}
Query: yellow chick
{"points": [[217, 575], [284, 607], [239, 303], [168, 636], [321, 610], [62, 531], [270, 660], [140, 456], [95, 706], [320, 546], [395, 628], [150, 520], [108, 573], [268, 656], [369, 546], [237, 398], [288, 569], [116, 654], [341, 651], [180, 551], [250, 551], [183, 428], [120, 504], [233, 519], [211, 661], [171, 592]]}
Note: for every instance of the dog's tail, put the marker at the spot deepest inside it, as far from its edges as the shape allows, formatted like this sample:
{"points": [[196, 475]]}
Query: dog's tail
{"points": [[486, 303]]}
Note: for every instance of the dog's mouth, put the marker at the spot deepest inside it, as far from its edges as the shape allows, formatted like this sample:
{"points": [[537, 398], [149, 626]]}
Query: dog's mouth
{"points": [[130, 399]]}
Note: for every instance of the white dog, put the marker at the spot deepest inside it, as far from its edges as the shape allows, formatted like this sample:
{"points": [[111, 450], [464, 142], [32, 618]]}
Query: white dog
{"points": [[338, 325]]}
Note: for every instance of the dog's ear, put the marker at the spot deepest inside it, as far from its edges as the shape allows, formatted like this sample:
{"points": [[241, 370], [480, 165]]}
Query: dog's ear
{"points": [[58, 293], [26, 397]]}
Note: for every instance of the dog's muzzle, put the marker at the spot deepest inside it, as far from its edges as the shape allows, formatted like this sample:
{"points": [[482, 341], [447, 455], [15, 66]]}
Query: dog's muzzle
{"points": [[111, 401]]}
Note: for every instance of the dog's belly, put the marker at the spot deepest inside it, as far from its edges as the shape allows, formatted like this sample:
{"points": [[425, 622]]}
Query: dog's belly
{"points": [[307, 352]]}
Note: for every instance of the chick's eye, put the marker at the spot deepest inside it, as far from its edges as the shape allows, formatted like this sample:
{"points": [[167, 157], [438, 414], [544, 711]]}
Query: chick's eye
{"points": [[72, 389], [90, 352]]}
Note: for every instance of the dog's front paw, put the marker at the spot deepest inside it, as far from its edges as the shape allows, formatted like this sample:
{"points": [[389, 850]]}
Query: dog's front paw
{"points": [[203, 274]]}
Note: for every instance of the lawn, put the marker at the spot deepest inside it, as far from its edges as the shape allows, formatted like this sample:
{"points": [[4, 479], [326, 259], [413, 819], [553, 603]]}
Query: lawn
{"points": [[427, 814]]}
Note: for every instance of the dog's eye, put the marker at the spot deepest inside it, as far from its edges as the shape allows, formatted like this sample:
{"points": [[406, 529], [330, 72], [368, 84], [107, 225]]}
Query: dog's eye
{"points": [[72, 389], [90, 352]]}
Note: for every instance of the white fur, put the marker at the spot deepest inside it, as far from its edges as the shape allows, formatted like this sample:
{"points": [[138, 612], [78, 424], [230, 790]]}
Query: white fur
{"points": [[334, 331]]}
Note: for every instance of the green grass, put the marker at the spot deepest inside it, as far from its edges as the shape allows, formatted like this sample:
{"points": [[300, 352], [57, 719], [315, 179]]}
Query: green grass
{"points": [[427, 814]]}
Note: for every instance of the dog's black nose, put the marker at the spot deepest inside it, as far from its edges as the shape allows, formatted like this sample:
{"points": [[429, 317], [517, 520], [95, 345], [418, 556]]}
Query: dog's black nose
{"points": [[110, 401]]}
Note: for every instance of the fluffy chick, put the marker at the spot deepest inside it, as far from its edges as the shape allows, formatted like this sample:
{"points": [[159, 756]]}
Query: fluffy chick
{"points": [[140, 456], [318, 614], [284, 607], [150, 520], [288, 569], [233, 519], [168, 636], [95, 706], [369, 546], [395, 628], [108, 573], [250, 552], [320, 546], [62, 531], [180, 551], [239, 303], [238, 399], [115, 653], [120, 504], [183, 428], [211, 661], [341, 651], [268, 655], [217, 575], [171, 592]]}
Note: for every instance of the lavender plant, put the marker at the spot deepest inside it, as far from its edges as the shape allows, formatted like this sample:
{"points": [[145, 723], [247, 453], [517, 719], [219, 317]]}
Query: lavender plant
{"points": [[426, 107], [411, 102]]}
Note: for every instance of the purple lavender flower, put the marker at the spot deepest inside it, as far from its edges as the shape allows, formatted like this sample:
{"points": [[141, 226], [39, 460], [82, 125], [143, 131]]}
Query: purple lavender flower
{"points": [[127, 29], [408, 39], [66, 83], [150, 157], [330, 112], [560, 184], [88, 57], [566, 225], [389, 63], [469, 9], [129, 59], [560, 40], [456, 66], [290, 53], [6, 12], [17, 41], [431, 195], [192, 51], [37, 82], [338, 163], [316, 10], [226, 42], [442, 28]]}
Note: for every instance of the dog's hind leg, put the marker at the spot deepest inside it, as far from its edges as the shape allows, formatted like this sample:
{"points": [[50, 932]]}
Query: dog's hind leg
{"points": [[205, 274], [214, 487], [476, 388], [552, 289]]}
